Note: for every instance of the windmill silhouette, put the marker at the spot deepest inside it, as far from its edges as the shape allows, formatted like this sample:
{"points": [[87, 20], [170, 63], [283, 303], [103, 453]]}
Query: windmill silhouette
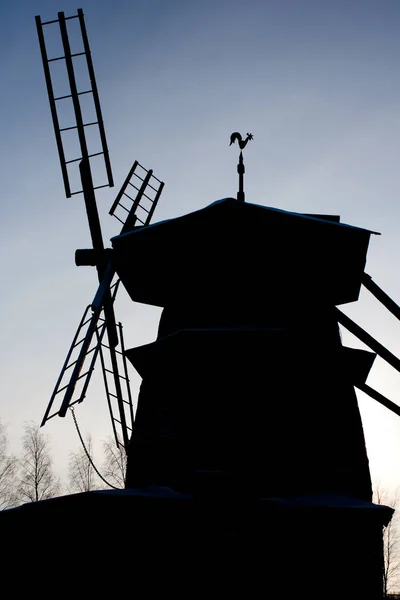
{"points": [[98, 333], [247, 403]]}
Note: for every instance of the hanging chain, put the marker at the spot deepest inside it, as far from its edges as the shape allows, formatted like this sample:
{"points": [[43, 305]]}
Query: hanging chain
{"points": [[71, 408]]}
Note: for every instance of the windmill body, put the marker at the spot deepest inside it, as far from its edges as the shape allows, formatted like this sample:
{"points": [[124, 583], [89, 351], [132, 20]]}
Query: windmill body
{"points": [[248, 380], [248, 394]]}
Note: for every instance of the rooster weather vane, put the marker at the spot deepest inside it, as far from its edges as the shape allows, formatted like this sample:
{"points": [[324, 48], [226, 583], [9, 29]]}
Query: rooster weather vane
{"points": [[242, 143], [240, 168]]}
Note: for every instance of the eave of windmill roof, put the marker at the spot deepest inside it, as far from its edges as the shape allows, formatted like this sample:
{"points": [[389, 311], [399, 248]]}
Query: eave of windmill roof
{"points": [[304, 217]]}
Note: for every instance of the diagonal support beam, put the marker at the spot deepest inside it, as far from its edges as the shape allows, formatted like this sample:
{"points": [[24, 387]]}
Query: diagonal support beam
{"points": [[368, 340]]}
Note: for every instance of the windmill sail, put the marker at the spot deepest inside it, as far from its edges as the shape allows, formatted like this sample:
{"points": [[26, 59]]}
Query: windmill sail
{"points": [[73, 382], [138, 210], [60, 103], [117, 387]]}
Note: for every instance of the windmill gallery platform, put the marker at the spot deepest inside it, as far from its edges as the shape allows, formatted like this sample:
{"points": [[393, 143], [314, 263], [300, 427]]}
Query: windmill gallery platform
{"points": [[247, 466]]}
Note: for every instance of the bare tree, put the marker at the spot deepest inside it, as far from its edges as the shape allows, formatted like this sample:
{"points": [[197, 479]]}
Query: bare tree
{"points": [[36, 478], [8, 472], [114, 465], [391, 540], [82, 475]]}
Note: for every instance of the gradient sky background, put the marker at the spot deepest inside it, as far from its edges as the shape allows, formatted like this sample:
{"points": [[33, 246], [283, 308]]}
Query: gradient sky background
{"points": [[316, 82]]}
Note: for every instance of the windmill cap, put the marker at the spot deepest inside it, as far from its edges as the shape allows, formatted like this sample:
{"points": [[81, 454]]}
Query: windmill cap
{"points": [[245, 251]]}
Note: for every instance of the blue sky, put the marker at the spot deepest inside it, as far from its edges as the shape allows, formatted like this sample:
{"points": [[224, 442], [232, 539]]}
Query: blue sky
{"points": [[318, 85]]}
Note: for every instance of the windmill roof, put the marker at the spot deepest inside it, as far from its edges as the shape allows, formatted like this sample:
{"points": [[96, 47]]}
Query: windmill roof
{"points": [[216, 209], [236, 249]]}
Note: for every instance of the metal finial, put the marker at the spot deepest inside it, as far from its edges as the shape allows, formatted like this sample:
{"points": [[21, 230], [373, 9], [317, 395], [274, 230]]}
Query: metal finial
{"points": [[240, 168]]}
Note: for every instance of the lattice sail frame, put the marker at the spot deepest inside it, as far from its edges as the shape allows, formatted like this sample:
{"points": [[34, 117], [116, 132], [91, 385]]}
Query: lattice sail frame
{"points": [[145, 201], [85, 344], [75, 94]]}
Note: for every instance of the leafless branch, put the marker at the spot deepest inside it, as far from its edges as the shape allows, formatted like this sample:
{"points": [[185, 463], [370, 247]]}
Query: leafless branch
{"points": [[114, 466], [8, 472], [36, 478], [391, 538], [82, 476]]}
